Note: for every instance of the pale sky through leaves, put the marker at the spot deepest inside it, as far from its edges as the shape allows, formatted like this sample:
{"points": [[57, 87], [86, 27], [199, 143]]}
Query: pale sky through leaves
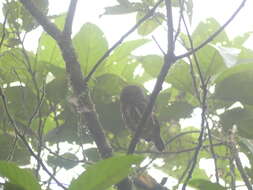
{"points": [[114, 26]]}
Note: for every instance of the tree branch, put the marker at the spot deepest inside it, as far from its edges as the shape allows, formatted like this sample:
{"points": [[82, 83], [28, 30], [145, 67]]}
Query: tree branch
{"points": [[169, 59], [238, 162], [210, 38], [48, 26], [69, 19]]}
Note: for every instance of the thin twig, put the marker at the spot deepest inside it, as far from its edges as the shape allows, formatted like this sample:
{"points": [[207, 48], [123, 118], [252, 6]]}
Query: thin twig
{"points": [[181, 12], [181, 134], [200, 142], [204, 83], [158, 45], [232, 174], [213, 152]]}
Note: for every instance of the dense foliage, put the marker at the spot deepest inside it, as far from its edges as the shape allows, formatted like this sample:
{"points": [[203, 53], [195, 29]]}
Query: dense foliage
{"points": [[39, 111]]}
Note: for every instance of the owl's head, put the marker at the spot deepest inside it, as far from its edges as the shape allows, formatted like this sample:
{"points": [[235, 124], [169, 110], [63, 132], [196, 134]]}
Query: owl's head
{"points": [[132, 94]]}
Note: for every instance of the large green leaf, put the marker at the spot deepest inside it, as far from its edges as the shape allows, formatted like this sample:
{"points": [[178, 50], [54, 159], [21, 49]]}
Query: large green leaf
{"points": [[205, 29], [180, 78], [57, 89], [12, 67], [152, 64], [178, 110], [121, 53], [105, 173], [210, 61], [229, 55], [150, 24], [112, 120], [240, 117], [90, 45], [235, 84], [20, 177], [21, 101], [92, 154], [238, 41], [48, 50], [108, 85], [19, 155]]}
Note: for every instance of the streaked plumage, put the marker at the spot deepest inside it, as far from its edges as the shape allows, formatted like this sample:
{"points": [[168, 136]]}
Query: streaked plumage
{"points": [[133, 103]]}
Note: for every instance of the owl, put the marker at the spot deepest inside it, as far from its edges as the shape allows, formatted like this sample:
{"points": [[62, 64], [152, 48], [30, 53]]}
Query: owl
{"points": [[133, 102]]}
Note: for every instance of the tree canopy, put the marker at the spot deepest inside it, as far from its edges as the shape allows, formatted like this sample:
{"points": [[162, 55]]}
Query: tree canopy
{"points": [[66, 93]]}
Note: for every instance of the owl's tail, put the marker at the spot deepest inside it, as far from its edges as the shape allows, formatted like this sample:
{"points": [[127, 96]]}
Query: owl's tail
{"points": [[159, 143]]}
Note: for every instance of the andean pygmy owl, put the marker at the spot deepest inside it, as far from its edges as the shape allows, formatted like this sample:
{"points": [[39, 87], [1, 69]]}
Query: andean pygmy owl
{"points": [[133, 103]]}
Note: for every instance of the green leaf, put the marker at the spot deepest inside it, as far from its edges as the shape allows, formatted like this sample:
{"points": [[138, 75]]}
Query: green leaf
{"points": [[180, 78], [112, 120], [92, 154], [238, 41], [202, 184], [105, 173], [50, 124], [205, 29], [152, 64], [57, 89], [229, 55], [240, 117], [210, 61], [178, 110], [123, 64], [124, 7], [119, 9], [10, 186], [66, 160], [121, 53], [107, 86], [235, 84], [90, 45], [13, 57], [21, 101], [19, 155], [48, 50], [150, 24], [17, 176]]}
